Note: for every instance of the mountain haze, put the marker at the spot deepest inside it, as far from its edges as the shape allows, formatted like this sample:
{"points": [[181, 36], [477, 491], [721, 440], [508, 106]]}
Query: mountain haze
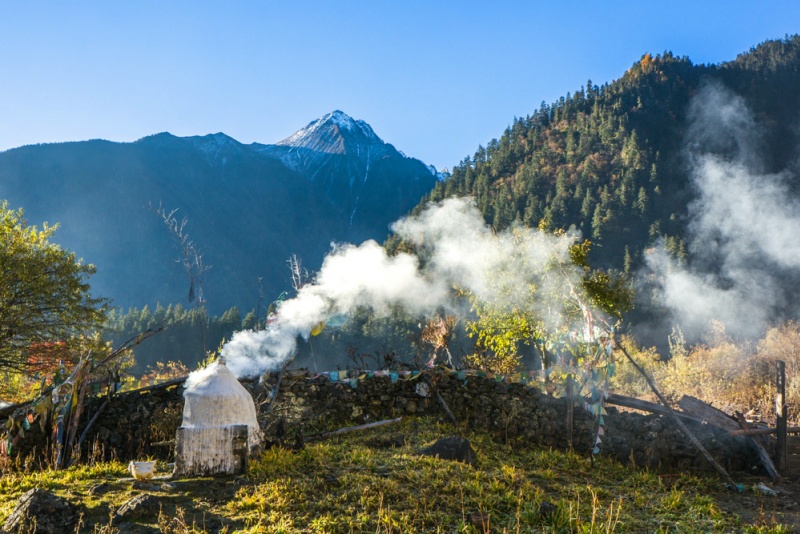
{"points": [[248, 207]]}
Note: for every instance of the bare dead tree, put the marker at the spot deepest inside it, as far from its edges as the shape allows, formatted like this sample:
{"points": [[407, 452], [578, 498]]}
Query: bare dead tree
{"points": [[300, 277], [191, 259], [258, 303], [299, 274]]}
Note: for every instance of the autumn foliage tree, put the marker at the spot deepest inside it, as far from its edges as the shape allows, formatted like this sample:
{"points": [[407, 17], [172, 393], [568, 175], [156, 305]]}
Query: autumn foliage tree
{"points": [[44, 294], [548, 307]]}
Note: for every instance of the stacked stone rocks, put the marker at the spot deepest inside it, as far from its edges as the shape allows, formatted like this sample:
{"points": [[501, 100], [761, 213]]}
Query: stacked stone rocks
{"points": [[134, 425]]}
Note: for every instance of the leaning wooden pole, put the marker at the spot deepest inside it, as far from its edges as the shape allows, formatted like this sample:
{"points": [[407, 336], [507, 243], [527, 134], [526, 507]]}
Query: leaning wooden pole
{"points": [[354, 428], [441, 400], [692, 438]]}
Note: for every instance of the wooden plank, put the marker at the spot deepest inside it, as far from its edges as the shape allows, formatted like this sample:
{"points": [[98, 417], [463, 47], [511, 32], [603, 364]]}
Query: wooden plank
{"points": [[708, 413], [762, 452], [645, 406], [441, 400], [765, 431], [697, 445]]}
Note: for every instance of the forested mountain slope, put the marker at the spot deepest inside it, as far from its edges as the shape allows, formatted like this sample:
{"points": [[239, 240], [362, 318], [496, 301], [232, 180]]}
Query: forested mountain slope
{"points": [[612, 160]]}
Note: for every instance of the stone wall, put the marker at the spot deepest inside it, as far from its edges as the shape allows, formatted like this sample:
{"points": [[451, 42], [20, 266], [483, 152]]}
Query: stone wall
{"points": [[135, 425]]}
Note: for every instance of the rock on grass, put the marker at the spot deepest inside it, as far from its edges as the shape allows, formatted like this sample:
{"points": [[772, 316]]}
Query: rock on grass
{"points": [[39, 511], [453, 448]]}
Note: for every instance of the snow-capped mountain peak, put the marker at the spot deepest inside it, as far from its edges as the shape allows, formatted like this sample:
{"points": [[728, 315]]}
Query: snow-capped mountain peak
{"points": [[336, 132]]}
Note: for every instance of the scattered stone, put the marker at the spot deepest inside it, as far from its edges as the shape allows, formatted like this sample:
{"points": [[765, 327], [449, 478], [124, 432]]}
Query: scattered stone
{"points": [[453, 448], [141, 506], [100, 489], [39, 511], [145, 486], [168, 486]]}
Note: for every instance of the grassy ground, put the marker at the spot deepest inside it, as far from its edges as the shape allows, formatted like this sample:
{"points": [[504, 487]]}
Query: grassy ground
{"points": [[356, 483]]}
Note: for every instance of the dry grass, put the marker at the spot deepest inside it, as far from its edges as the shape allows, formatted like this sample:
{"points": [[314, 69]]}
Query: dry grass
{"points": [[731, 375]]}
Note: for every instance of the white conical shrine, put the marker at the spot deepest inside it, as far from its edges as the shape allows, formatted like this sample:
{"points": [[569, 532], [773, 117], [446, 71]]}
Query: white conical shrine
{"points": [[220, 429]]}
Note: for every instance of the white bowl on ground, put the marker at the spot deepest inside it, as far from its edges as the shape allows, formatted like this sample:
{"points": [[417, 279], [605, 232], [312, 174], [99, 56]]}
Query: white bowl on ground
{"points": [[142, 470]]}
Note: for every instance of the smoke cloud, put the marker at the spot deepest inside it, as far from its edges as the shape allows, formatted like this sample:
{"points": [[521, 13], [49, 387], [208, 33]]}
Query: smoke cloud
{"points": [[743, 227], [456, 249]]}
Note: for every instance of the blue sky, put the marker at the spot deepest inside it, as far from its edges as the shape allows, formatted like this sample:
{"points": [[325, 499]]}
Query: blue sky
{"points": [[436, 79]]}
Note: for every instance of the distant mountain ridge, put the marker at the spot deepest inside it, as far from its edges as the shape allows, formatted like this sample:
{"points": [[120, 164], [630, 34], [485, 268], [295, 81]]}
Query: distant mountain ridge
{"points": [[248, 207]]}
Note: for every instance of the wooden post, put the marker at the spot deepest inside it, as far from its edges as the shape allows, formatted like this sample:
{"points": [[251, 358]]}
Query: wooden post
{"points": [[570, 410], [780, 414]]}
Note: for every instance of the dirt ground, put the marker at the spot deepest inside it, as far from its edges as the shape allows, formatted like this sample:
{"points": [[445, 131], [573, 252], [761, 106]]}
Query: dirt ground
{"points": [[757, 507]]}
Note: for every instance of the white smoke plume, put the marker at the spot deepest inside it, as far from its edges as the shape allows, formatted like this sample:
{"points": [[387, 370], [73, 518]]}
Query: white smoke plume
{"points": [[743, 231], [350, 277], [459, 250], [498, 268]]}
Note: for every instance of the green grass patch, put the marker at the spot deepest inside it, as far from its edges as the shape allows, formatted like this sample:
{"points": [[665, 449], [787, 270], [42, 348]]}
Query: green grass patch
{"points": [[345, 484]]}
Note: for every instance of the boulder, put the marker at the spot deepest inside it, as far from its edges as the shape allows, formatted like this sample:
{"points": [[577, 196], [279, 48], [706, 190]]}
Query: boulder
{"points": [[39, 511], [143, 506], [452, 448]]}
